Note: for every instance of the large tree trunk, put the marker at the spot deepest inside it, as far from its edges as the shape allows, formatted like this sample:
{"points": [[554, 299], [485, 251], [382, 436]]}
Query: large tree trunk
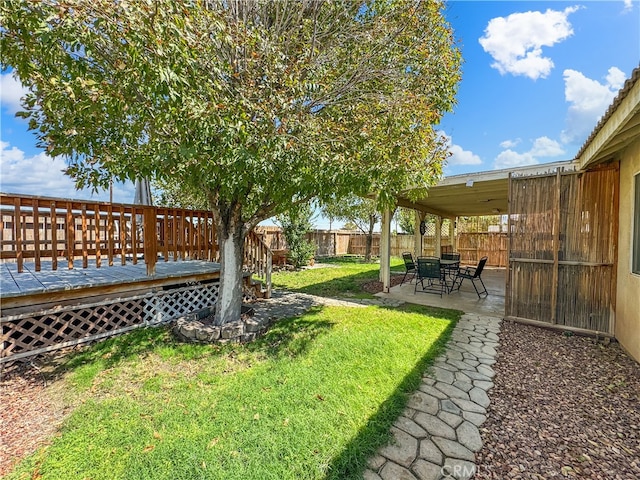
{"points": [[231, 243], [369, 244]]}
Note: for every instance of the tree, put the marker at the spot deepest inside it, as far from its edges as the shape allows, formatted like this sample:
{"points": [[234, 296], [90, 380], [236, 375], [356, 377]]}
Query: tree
{"points": [[363, 213], [296, 223], [251, 105], [407, 220]]}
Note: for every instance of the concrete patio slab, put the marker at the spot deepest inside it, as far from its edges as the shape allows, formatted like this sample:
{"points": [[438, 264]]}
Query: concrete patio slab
{"points": [[464, 299]]}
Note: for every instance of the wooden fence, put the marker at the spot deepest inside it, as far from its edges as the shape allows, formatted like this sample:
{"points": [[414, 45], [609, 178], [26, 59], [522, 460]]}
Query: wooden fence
{"points": [[77, 232], [472, 246], [563, 241]]}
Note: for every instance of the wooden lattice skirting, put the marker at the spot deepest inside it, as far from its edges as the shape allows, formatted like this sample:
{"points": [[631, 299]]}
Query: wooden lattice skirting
{"points": [[42, 331]]}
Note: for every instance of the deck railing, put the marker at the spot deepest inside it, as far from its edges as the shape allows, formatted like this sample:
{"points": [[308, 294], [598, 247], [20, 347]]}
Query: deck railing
{"points": [[80, 231]]}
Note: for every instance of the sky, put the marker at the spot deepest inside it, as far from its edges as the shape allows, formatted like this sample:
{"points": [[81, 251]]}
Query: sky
{"points": [[537, 76]]}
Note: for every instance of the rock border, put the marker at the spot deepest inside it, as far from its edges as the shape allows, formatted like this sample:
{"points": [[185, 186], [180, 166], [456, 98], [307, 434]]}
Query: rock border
{"points": [[191, 328]]}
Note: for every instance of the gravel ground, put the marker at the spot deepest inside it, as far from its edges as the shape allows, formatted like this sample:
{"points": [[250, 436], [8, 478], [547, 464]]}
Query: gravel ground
{"points": [[562, 407]]}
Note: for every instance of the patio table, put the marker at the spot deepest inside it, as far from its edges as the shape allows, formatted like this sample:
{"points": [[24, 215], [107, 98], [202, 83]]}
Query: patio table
{"points": [[450, 269]]}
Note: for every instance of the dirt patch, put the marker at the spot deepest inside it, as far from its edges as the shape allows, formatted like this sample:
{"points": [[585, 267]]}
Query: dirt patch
{"points": [[31, 410], [375, 286], [562, 407]]}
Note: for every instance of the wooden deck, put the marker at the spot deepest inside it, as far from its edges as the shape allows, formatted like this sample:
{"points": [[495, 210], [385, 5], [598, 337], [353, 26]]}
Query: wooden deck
{"points": [[35, 287], [50, 309], [73, 271]]}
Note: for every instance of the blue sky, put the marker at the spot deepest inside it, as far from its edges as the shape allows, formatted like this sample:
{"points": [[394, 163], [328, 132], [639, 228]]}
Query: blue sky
{"points": [[537, 76]]}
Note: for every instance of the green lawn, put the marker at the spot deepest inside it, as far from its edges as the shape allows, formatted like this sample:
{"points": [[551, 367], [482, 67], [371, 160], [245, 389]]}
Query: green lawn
{"points": [[312, 399], [339, 277]]}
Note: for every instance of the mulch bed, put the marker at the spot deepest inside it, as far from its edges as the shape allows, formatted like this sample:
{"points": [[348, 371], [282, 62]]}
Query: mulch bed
{"points": [[30, 413], [562, 407], [375, 286]]}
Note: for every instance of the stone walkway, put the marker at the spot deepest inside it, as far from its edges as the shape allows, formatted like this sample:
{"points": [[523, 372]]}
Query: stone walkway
{"points": [[284, 304], [437, 435]]}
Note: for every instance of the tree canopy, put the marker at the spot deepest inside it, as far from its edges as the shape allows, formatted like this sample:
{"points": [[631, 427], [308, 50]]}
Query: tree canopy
{"points": [[248, 105]]}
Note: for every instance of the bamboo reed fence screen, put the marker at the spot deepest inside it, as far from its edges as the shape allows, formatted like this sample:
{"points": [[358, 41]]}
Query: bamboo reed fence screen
{"points": [[563, 240]]}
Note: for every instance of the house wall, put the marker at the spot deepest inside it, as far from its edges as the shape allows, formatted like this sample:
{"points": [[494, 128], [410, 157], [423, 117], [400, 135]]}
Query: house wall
{"points": [[627, 329]]}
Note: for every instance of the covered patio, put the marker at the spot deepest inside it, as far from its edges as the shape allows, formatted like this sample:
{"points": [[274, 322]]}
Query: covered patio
{"points": [[474, 194], [464, 299]]}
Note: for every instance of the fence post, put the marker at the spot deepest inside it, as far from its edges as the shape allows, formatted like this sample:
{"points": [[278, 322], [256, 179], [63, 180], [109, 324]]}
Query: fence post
{"points": [[150, 239], [452, 233]]}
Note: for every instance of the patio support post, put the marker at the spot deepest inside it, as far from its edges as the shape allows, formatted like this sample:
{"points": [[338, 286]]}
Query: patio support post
{"points": [[438, 246], [452, 233], [385, 251], [417, 248]]}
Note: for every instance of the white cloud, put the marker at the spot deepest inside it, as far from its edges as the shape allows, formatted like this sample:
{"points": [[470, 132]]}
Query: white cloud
{"points": [[460, 156], [42, 175], [542, 147], [628, 6], [545, 147], [588, 100], [510, 143], [615, 78], [515, 42], [509, 159], [11, 91]]}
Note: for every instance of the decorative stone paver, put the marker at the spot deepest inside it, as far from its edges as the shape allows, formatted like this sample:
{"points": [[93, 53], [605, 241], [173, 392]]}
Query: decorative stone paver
{"points": [[437, 435]]}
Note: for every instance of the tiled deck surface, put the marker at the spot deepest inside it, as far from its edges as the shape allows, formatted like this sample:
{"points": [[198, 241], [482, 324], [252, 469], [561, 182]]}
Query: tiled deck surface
{"points": [[28, 282]]}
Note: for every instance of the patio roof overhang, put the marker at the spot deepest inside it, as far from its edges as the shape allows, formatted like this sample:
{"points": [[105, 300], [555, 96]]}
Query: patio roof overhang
{"points": [[474, 194]]}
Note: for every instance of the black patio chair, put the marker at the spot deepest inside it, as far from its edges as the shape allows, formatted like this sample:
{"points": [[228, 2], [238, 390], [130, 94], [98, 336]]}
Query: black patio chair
{"points": [[473, 274], [409, 266], [430, 276]]}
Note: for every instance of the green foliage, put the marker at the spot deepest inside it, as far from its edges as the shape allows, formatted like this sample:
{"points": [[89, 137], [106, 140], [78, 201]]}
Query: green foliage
{"points": [[361, 212], [295, 224], [312, 399], [406, 219], [169, 193], [349, 226], [249, 105]]}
